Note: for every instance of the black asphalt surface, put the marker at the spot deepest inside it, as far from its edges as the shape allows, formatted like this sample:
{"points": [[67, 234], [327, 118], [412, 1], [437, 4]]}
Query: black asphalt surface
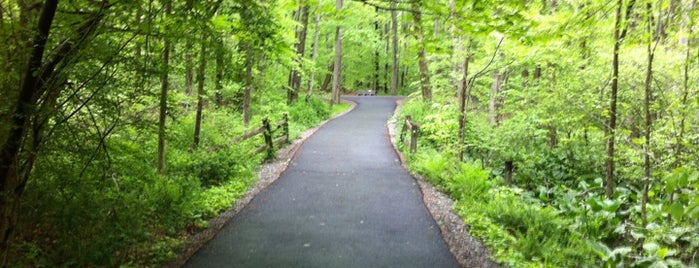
{"points": [[344, 201]]}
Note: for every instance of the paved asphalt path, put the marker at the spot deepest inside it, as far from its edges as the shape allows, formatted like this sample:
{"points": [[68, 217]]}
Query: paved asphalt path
{"points": [[344, 201]]}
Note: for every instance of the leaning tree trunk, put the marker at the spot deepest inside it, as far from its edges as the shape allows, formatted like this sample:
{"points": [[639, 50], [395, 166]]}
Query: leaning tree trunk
{"points": [[14, 171]]}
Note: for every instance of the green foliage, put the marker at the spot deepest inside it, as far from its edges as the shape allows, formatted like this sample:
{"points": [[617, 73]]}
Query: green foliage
{"points": [[519, 230]]}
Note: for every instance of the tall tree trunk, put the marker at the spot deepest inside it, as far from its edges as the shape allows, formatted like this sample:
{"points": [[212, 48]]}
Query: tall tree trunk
{"points": [[461, 94], [314, 54], [494, 90], [220, 69], [422, 54], [375, 85], [248, 89], [679, 138], [394, 51], [386, 78], [337, 71], [14, 172], [189, 67], [189, 56], [620, 29], [646, 109], [164, 85], [295, 75], [200, 89]]}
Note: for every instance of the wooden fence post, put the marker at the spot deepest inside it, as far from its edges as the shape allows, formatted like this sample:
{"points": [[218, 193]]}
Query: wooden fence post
{"points": [[405, 128], [268, 138], [413, 137], [285, 126]]}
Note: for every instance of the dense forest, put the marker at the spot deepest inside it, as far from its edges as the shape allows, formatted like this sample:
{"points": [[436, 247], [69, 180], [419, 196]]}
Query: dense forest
{"points": [[566, 131]]}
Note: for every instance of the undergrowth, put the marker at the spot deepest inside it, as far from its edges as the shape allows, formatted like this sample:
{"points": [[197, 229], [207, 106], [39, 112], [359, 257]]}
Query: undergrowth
{"points": [[116, 210]]}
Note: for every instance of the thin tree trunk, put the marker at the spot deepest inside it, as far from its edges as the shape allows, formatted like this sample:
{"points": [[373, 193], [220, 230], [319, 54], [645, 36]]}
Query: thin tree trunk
{"points": [[337, 71], [610, 130], [375, 85], [679, 138], [422, 54], [462, 105], [386, 78], [394, 52], [492, 107], [220, 68], [164, 85], [200, 89], [189, 67], [646, 108], [314, 54], [248, 86]]}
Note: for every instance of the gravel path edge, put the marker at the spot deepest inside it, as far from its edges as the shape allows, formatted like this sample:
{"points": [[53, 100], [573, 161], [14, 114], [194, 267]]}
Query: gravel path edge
{"points": [[467, 250]]}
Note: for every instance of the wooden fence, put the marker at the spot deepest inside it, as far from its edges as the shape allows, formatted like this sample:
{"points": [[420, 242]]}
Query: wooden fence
{"points": [[414, 129], [268, 132]]}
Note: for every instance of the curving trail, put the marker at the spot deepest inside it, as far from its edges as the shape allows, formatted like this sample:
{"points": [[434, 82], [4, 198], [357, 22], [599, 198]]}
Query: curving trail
{"points": [[344, 201]]}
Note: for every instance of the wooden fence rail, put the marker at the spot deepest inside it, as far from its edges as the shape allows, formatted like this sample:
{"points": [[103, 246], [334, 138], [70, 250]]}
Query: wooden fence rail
{"points": [[268, 133], [414, 129]]}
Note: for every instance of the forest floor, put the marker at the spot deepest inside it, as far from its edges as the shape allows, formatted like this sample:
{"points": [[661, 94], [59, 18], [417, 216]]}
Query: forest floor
{"points": [[397, 229]]}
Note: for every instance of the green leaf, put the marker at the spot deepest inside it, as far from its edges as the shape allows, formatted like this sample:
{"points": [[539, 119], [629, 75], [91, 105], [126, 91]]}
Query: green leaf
{"points": [[662, 253], [676, 210]]}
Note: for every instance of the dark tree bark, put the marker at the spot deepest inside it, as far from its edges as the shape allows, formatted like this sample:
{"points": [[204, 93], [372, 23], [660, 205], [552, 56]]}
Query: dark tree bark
{"points": [[13, 172]]}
